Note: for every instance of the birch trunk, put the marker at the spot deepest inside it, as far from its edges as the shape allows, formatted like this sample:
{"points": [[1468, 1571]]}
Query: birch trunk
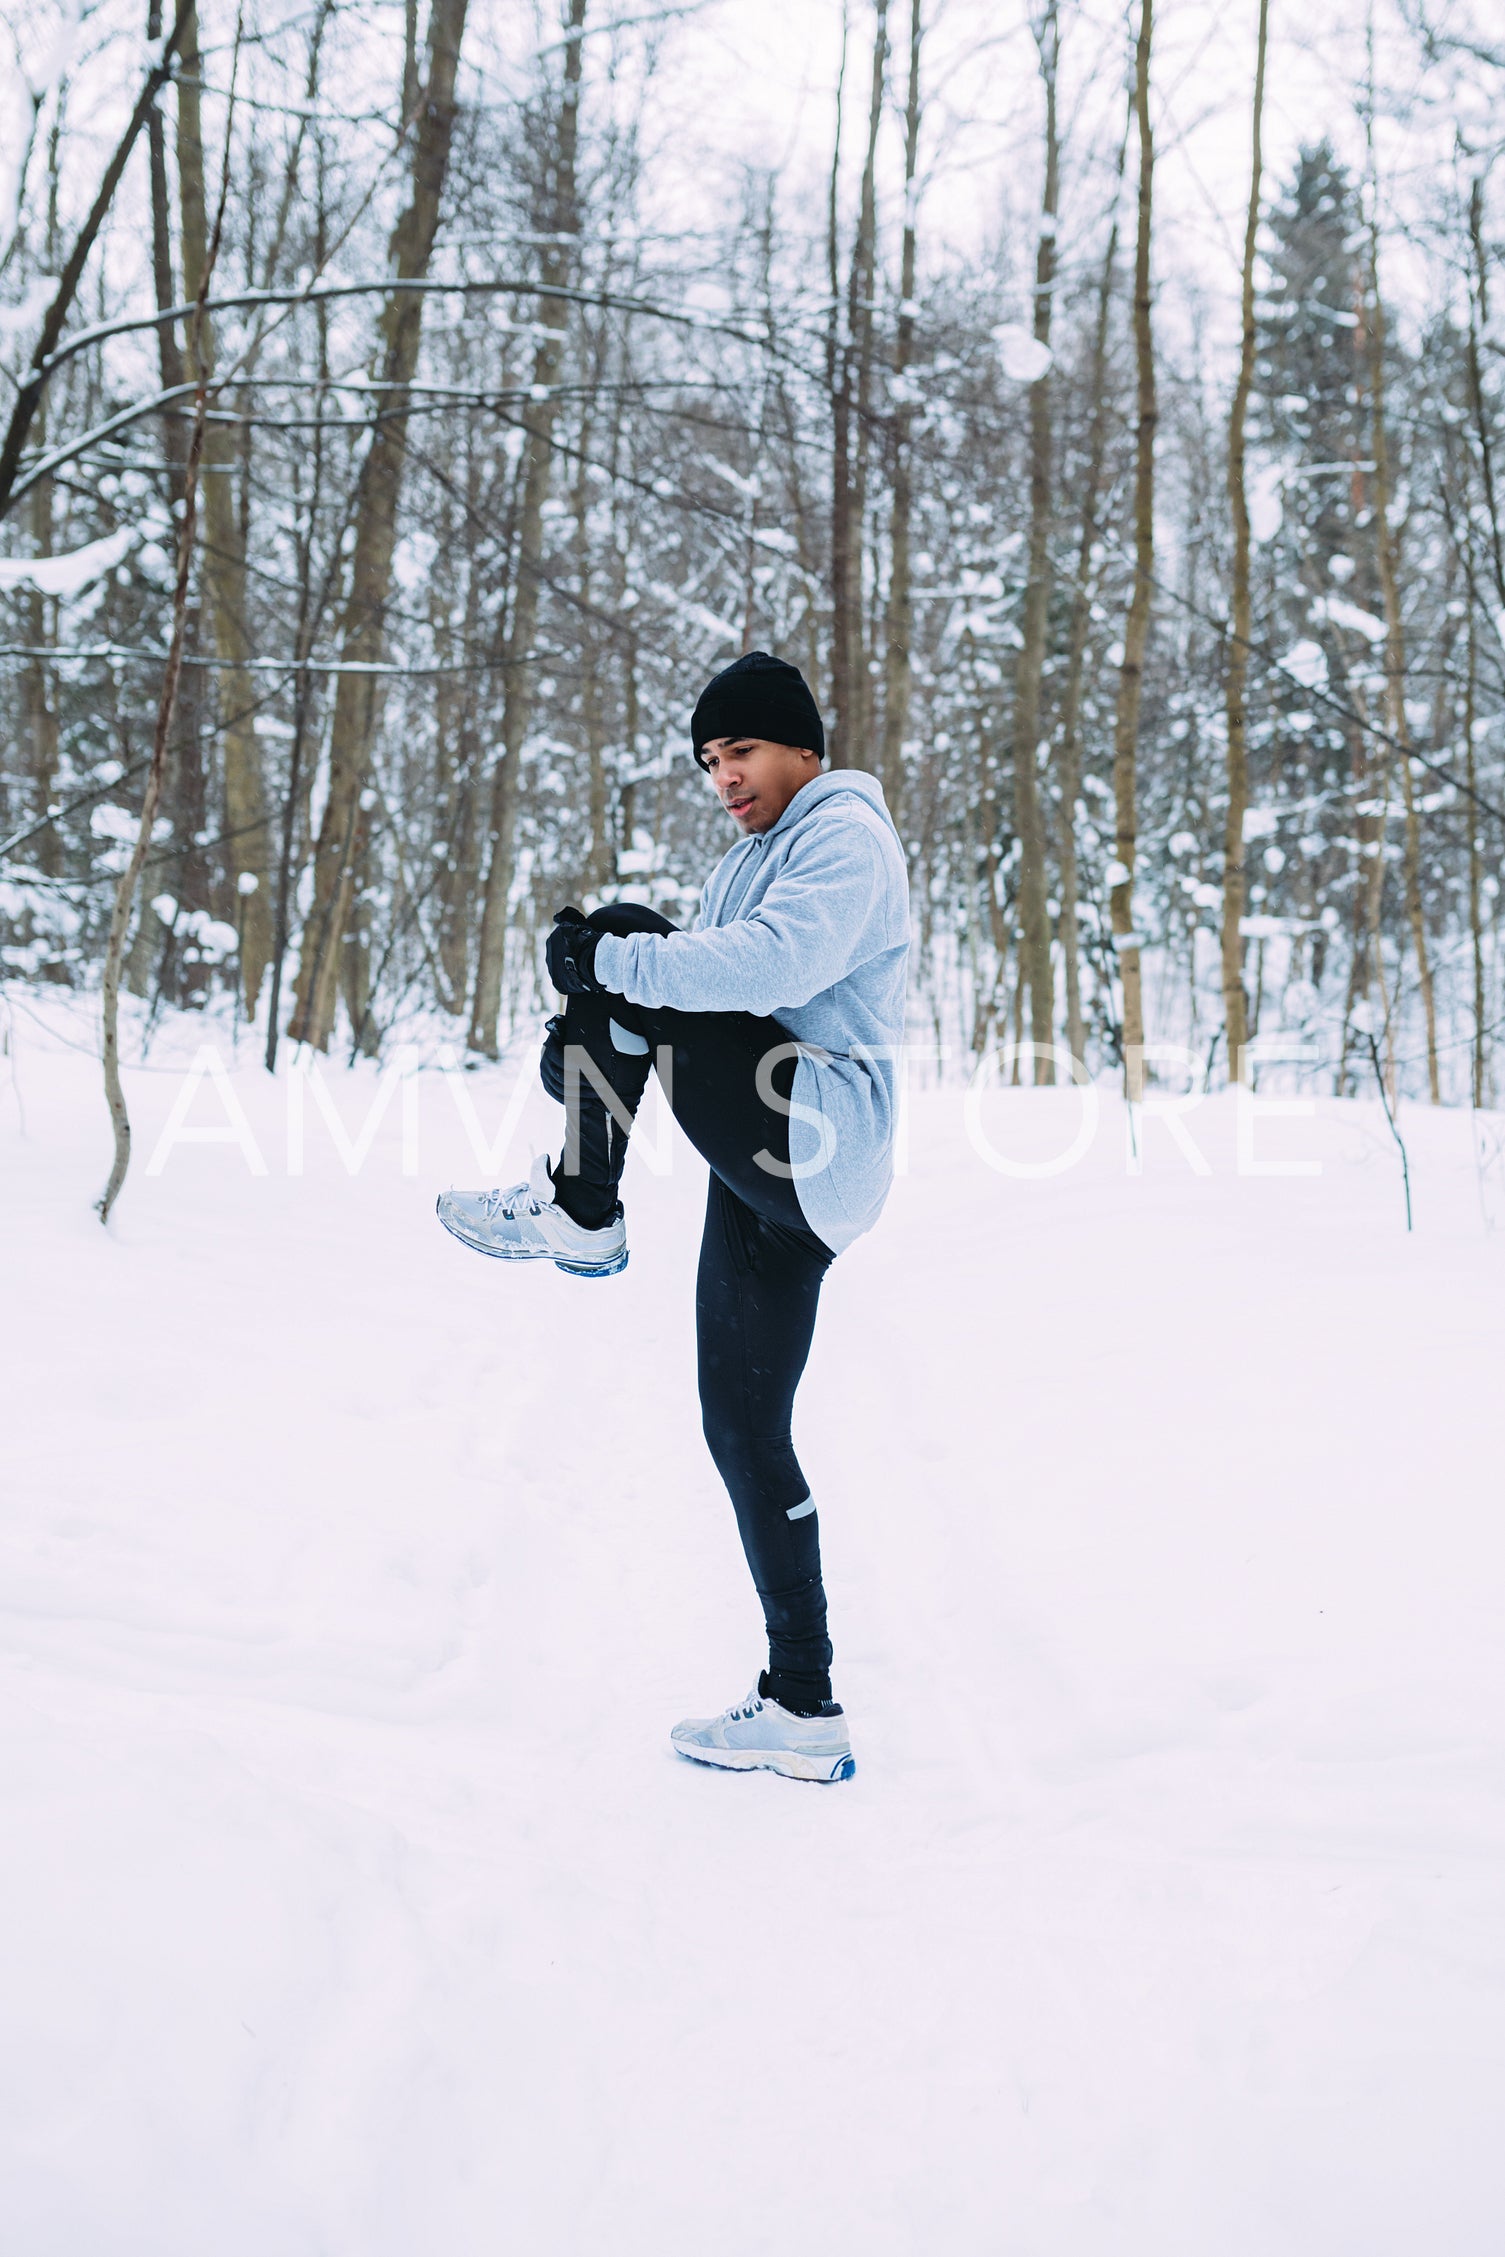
{"points": [[340, 851], [1235, 1005]]}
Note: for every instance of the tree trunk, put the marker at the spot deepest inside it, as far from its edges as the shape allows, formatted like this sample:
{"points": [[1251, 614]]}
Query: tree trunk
{"points": [[183, 787], [1137, 628], [1081, 621], [561, 233], [1035, 968], [247, 842], [838, 383], [1395, 668], [292, 843], [125, 891], [1478, 325], [458, 748], [599, 860], [1475, 869], [342, 833], [854, 722], [898, 671], [40, 718], [1235, 1006], [40, 721]]}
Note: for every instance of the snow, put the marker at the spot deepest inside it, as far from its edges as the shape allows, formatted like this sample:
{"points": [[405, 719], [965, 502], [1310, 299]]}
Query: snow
{"points": [[720, 630], [41, 41], [107, 821], [1025, 360], [18, 320], [1266, 501], [1306, 663], [67, 575], [354, 1902], [1345, 614]]}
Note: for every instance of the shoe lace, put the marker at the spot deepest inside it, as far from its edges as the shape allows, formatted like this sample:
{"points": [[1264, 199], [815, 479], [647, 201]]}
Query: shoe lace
{"points": [[514, 1199], [748, 1706], [510, 1200]]}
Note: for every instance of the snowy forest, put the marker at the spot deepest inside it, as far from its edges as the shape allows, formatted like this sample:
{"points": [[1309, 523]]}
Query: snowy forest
{"points": [[405, 414], [408, 407]]}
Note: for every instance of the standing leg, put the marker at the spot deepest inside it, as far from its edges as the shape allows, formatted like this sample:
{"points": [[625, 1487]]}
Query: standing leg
{"points": [[760, 1275], [755, 1303]]}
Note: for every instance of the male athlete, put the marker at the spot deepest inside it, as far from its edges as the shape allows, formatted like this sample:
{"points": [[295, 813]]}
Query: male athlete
{"points": [[775, 1025]]}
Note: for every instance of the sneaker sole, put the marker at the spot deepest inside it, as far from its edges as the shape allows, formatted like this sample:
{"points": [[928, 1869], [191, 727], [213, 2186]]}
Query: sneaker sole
{"points": [[613, 1268], [820, 1770]]}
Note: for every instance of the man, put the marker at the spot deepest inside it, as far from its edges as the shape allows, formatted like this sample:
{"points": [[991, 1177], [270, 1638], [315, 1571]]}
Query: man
{"points": [[775, 1025]]}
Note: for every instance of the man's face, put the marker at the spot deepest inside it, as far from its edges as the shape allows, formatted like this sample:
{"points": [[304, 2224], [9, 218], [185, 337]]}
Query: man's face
{"points": [[756, 780]]}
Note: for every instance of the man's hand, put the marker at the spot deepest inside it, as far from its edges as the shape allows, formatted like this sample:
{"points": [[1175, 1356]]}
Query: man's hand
{"points": [[570, 953]]}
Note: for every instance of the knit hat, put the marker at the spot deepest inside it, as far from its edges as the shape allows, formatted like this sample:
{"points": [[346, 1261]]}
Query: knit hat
{"points": [[758, 696]]}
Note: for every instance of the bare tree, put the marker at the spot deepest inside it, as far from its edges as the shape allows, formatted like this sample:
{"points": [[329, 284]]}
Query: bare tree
{"points": [[1235, 1004], [1137, 627], [29, 392], [849, 361], [130, 878], [559, 254], [898, 666], [342, 832], [224, 562], [1070, 765], [1035, 968], [1396, 717]]}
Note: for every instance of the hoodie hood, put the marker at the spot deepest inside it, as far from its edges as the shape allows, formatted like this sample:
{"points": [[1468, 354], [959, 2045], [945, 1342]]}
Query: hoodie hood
{"points": [[836, 783]]}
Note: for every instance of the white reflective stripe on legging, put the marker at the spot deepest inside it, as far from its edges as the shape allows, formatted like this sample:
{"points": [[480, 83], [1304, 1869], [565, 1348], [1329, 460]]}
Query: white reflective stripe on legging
{"points": [[798, 1512]]}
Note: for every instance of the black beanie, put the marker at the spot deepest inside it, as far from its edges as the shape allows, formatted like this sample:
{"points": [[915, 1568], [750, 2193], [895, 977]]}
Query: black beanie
{"points": [[758, 696]]}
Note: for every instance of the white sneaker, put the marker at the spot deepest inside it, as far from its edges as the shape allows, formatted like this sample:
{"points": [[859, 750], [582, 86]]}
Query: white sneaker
{"points": [[758, 1735], [524, 1222]]}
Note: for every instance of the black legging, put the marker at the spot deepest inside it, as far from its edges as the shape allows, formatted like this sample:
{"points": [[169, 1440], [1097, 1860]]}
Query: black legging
{"points": [[760, 1267]]}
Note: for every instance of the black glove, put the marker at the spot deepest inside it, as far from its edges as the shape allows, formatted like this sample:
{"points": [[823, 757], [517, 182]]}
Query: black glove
{"points": [[570, 953]]}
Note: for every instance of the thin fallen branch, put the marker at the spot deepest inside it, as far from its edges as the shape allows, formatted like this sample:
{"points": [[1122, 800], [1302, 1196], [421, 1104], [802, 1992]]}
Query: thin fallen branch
{"points": [[1405, 1165]]}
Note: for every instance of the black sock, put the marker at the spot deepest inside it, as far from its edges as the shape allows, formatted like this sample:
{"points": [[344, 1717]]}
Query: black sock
{"points": [[582, 1202], [802, 1695]]}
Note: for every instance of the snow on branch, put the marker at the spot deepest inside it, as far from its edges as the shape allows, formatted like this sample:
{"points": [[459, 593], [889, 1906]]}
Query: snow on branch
{"points": [[67, 575]]}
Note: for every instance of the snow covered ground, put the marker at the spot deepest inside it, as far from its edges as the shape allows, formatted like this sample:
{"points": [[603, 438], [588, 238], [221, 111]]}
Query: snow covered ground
{"points": [[354, 1905]]}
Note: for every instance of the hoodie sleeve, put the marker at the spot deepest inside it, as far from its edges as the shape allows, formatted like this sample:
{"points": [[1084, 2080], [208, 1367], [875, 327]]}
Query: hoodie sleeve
{"points": [[818, 920]]}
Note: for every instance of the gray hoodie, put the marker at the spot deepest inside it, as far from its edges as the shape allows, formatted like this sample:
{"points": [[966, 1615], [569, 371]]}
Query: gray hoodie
{"points": [[807, 923]]}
